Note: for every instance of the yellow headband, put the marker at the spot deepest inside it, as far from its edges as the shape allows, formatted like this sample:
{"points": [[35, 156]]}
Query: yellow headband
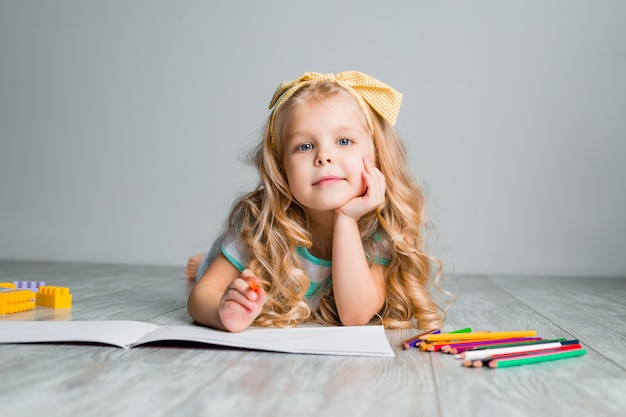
{"points": [[367, 90]]}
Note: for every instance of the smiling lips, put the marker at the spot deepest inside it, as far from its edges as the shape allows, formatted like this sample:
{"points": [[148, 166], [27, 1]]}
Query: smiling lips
{"points": [[328, 180]]}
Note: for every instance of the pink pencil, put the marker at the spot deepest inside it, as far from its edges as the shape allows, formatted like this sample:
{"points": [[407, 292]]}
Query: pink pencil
{"points": [[460, 347], [436, 346]]}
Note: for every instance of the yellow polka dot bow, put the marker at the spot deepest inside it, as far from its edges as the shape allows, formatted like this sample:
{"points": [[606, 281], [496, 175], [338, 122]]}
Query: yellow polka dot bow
{"points": [[381, 97]]}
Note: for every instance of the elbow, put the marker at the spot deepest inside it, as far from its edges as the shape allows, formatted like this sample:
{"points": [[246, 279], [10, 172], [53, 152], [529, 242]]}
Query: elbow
{"points": [[354, 318], [360, 314], [193, 312], [198, 311], [354, 322]]}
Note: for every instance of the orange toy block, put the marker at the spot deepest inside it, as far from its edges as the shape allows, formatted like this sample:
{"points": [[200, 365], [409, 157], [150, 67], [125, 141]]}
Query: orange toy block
{"points": [[14, 301], [54, 297]]}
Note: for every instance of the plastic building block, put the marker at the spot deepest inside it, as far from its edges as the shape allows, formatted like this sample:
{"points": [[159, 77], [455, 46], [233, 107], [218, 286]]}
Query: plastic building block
{"points": [[9, 285], [54, 297], [29, 285], [14, 301]]}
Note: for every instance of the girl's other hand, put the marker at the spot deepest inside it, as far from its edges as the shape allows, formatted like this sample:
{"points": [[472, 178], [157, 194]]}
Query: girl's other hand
{"points": [[373, 196], [242, 302]]}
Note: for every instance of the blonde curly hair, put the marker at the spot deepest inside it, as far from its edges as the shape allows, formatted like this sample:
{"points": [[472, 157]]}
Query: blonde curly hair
{"points": [[272, 224]]}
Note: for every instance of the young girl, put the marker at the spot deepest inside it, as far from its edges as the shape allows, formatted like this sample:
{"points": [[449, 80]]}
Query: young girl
{"points": [[332, 233]]}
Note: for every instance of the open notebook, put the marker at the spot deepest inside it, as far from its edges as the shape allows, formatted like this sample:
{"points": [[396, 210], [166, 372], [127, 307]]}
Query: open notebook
{"points": [[322, 340]]}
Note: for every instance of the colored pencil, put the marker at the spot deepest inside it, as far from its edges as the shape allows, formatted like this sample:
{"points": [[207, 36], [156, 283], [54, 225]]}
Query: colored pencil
{"points": [[512, 344], [254, 285], [414, 341], [477, 363], [536, 352], [458, 347], [409, 343], [485, 353], [528, 342], [432, 347], [436, 346], [463, 330], [478, 335], [505, 363], [522, 355]]}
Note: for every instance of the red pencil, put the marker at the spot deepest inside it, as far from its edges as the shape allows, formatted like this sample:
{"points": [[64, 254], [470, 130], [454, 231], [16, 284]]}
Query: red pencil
{"points": [[520, 355], [485, 353], [532, 359]]}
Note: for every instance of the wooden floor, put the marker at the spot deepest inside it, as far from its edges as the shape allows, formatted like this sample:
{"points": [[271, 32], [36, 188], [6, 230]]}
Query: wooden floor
{"points": [[190, 380]]}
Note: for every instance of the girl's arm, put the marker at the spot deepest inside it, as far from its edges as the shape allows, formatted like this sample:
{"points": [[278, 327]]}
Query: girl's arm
{"points": [[359, 289], [223, 298]]}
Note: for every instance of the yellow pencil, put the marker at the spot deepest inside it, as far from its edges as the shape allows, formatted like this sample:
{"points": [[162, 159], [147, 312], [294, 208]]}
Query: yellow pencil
{"points": [[477, 335]]}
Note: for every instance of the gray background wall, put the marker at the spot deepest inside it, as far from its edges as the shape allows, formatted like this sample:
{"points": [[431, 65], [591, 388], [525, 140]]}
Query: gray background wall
{"points": [[122, 122]]}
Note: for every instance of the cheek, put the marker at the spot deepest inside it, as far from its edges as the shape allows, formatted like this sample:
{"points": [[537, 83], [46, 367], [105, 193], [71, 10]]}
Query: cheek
{"points": [[293, 179], [357, 166], [356, 169], [289, 173]]}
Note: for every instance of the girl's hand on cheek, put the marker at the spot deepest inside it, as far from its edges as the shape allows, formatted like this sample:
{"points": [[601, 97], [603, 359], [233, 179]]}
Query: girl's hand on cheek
{"points": [[372, 198], [242, 302]]}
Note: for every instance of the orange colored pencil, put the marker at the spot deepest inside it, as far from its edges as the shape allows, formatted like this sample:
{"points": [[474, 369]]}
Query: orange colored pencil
{"points": [[254, 285]]}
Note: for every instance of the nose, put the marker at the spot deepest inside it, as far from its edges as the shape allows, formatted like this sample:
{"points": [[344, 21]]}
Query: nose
{"points": [[323, 158]]}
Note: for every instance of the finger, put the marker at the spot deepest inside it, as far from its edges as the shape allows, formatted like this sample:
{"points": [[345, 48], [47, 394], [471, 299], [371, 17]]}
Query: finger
{"points": [[366, 164], [375, 183], [249, 285], [247, 273], [246, 298], [377, 178], [251, 279]]}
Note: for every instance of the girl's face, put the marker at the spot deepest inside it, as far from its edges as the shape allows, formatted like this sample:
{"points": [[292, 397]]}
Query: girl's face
{"points": [[324, 147]]}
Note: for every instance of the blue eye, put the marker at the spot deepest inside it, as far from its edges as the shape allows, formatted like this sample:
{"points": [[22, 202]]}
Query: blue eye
{"points": [[304, 147], [344, 141]]}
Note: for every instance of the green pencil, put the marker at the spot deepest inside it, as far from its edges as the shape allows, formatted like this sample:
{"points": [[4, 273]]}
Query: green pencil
{"points": [[465, 330], [505, 363]]}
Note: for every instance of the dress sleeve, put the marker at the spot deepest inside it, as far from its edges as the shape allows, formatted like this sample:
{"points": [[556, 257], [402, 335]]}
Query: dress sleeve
{"points": [[233, 248]]}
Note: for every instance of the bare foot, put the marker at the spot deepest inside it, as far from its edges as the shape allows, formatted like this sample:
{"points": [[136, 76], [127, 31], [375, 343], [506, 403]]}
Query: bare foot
{"points": [[192, 266]]}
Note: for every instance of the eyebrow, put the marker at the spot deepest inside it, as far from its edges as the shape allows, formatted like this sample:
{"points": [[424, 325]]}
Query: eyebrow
{"points": [[351, 130]]}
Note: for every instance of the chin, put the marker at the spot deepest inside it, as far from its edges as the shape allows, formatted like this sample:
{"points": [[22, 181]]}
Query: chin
{"points": [[329, 206]]}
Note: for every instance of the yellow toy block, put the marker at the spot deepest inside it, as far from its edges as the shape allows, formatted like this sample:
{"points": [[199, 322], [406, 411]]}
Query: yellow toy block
{"points": [[54, 297], [14, 301], [7, 285]]}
